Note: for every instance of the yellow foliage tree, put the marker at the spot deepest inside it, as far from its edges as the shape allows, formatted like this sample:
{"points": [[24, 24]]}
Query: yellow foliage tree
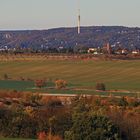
{"points": [[60, 84]]}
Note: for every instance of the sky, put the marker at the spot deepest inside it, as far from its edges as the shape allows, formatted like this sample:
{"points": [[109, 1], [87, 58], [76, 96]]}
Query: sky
{"points": [[46, 14]]}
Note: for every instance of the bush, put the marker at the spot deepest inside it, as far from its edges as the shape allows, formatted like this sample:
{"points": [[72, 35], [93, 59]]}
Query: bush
{"points": [[95, 128], [54, 103], [5, 76], [100, 86], [123, 102], [40, 83], [44, 136], [60, 84]]}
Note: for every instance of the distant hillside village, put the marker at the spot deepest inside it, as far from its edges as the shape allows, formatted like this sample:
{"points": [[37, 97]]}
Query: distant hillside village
{"points": [[106, 49], [94, 40]]}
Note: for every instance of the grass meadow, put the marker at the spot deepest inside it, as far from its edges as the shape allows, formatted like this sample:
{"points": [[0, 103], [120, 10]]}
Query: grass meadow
{"points": [[14, 139], [116, 74]]}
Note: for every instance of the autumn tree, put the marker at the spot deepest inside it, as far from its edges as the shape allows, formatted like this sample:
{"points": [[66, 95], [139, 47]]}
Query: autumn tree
{"points": [[86, 125], [123, 102], [100, 86], [44, 136], [5, 76], [60, 84], [40, 83]]}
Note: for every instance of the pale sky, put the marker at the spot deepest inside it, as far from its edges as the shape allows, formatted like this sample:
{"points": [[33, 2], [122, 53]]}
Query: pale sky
{"points": [[45, 14]]}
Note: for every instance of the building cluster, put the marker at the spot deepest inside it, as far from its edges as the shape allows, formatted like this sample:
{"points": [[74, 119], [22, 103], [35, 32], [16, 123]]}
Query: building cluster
{"points": [[108, 49]]}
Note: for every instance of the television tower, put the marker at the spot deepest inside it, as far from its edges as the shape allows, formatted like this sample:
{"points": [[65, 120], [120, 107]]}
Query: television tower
{"points": [[79, 19]]}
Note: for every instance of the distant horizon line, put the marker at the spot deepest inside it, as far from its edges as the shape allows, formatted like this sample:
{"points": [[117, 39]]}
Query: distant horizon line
{"points": [[83, 26]]}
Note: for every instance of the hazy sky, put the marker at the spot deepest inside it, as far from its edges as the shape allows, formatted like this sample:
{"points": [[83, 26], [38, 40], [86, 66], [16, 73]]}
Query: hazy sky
{"points": [[45, 14]]}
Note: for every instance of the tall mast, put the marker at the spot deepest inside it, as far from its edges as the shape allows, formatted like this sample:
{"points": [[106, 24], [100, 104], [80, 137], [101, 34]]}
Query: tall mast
{"points": [[79, 18]]}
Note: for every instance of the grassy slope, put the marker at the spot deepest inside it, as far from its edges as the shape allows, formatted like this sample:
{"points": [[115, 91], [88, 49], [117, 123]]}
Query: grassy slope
{"points": [[115, 74]]}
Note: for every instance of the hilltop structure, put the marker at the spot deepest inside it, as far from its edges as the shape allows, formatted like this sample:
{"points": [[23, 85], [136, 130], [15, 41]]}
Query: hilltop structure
{"points": [[107, 49], [79, 18]]}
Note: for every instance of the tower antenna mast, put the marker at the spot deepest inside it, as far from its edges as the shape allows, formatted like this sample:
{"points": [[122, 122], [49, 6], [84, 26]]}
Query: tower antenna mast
{"points": [[79, 18]]}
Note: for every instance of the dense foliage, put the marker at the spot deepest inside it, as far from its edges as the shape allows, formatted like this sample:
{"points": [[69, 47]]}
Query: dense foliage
{"points": [[89, 126], [85, 118]]}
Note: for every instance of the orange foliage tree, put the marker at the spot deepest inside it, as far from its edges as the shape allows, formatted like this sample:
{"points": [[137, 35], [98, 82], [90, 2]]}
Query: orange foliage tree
{"points": [[44, 136], [40, 83], [60, 84]]}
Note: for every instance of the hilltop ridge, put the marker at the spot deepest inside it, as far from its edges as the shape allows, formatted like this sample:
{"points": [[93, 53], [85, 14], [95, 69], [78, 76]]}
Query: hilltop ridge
{"points": [[94, 36]]}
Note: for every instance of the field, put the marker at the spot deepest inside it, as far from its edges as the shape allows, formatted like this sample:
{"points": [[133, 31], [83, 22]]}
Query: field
{"points": [[121, 75], [14, 139]]}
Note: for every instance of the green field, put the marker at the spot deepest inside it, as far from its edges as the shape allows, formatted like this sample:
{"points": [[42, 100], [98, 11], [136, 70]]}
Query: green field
{"points": [[117, 75], [14, 139]]}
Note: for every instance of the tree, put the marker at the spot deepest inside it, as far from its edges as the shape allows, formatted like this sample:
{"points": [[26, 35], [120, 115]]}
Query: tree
{"points": [[60, 84], [54, 102], [123, 102], [5, 76], [52, 121], [86, 125], [92, 127], [32, 98], [100, 86], [40, 83], [44, 136]]}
